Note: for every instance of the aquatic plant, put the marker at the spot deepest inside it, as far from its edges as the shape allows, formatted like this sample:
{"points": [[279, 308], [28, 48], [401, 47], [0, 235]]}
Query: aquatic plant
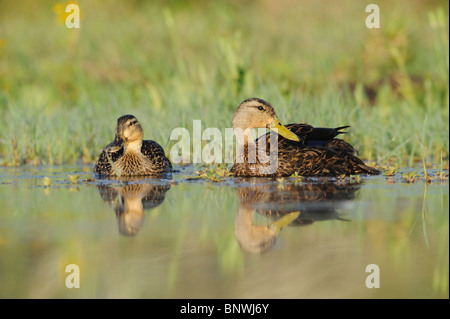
{"points": [[214, 173], [410, 177]]}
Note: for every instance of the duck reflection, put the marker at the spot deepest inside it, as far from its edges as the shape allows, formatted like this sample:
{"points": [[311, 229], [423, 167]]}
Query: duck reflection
{"points": [[294, 204], [130, 200]]}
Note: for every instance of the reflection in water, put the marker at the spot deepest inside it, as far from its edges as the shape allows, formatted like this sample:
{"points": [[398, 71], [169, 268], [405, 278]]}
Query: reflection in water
{"points": [[130, 200], [295, 204]]}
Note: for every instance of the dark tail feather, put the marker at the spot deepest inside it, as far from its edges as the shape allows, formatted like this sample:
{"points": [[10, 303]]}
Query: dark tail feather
{"points": [[338, 129]]}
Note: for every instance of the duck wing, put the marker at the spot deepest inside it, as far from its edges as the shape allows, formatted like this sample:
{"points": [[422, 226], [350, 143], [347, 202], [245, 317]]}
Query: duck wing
{"points": [[155, 153], [322, 136], [315, 136], [110, 154]]}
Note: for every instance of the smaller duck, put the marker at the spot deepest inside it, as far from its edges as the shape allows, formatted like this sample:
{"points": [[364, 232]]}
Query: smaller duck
{"points": [[129, 155]]}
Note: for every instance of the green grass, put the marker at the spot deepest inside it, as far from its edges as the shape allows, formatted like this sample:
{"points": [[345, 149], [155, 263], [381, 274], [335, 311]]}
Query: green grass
{"points": [[170, 62]]}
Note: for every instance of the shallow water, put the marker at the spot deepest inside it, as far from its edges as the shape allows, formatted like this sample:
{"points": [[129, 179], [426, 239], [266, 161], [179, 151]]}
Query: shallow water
{"points": [[189, 238]]}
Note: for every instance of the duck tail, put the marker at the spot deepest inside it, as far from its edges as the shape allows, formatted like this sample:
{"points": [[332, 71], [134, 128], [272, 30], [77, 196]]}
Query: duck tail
{"points": [[338, 129], [369, 170]]}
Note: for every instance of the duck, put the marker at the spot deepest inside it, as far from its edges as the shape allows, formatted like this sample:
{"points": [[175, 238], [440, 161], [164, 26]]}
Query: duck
{"points": [[295, 149], [130, 155]]}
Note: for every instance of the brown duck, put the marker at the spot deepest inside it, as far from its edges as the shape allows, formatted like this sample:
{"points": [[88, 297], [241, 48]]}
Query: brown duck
{"points": [[130, 155], [302, 149]]}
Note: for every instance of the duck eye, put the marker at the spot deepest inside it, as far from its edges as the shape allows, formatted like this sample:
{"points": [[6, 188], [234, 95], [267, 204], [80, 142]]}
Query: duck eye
{"points": [[260, 108]]}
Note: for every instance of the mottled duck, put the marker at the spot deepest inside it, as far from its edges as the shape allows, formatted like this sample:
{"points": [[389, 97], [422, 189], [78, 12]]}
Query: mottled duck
{"points": [[130, 155], [301, 148]]}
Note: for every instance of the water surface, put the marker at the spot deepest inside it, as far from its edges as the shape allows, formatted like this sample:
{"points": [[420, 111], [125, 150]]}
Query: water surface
{"points": [[190, 238]]}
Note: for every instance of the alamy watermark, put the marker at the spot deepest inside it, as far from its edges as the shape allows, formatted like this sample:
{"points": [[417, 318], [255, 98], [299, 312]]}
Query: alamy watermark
{"points": [[373, 279], [220, 147], [73, 279], [73, 18], [373, 19]]}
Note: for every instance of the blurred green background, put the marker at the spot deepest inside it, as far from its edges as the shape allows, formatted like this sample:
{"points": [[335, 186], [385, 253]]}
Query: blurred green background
{"points": [[170, 62]]}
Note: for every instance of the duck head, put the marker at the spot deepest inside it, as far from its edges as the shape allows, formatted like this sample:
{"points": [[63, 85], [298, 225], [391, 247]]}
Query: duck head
{"points": [[129, 130], [257, 113]]}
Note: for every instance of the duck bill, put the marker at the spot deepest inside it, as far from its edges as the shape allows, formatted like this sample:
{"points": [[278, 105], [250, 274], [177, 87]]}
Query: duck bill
{"points": [[283, 221], [282, 130]]}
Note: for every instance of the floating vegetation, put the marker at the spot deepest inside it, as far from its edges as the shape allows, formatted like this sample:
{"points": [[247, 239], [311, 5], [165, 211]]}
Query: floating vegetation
{"points": [[414, 177], [297, 177], [390, 170], [345, 179], [216, 173], [280, 185], [410, 177], [73, 178], [46, 181]]}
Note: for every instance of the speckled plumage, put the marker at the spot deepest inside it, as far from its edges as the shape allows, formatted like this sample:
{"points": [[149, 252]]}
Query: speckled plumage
{"points": [[317, 153], [132, 156]]}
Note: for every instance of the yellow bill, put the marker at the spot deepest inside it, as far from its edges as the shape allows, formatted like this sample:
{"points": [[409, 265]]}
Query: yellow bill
{"points": [[282, 130], [284, 221]]}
